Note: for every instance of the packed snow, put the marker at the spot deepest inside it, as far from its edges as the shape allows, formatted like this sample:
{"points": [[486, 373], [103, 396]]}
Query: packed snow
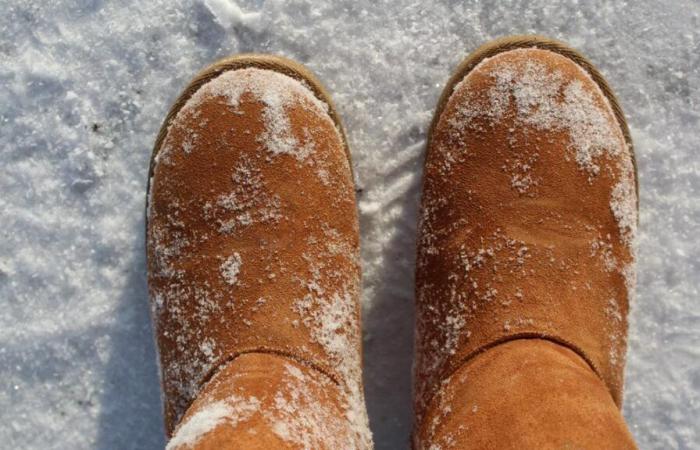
{"points": [[84, 87]]}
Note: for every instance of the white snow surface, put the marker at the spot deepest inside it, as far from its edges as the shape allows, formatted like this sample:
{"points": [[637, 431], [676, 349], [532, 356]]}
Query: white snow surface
{"points": [[85, 84]]}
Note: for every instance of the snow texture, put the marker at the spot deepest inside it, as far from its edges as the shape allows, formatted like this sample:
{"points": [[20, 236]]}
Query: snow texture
{"points": [[202, 422], [231, 268], [84, 86]]}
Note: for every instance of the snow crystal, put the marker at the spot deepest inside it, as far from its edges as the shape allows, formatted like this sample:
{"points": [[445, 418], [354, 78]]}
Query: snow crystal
{"points": [[231, 268], [249, 202], [544, 100], [230, 411], [298, 416], [199, 424], [276, 91]]}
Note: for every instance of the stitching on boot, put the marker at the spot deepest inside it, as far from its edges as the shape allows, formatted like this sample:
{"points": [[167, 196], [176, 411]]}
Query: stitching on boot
{"points": [[521, 336], [484, 349], [219, 366], [223, 362]]}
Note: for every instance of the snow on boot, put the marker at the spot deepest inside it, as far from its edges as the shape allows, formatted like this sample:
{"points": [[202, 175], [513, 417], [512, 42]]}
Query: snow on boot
{"points": [[528, 220], [253, 263]]}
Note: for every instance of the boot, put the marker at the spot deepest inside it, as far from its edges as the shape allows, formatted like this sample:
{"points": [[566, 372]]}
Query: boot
{"points": [[525, 255], [253, 262]]}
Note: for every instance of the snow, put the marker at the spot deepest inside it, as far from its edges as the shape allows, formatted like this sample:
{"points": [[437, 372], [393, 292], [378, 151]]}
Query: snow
{"points": [[231, 268], [230, 411], [228, 14], [292, 408], [275, 90], [592, 128], [202, 422], [330, 317], [84, 86]]}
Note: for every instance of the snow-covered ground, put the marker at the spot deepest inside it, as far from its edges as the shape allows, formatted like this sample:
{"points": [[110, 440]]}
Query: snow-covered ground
{"points": [[84, 85]]}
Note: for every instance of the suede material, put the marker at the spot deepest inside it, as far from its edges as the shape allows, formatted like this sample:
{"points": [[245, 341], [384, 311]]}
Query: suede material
{"points": [[497, 261], [302, 242], [524, 394], [265, 382]]}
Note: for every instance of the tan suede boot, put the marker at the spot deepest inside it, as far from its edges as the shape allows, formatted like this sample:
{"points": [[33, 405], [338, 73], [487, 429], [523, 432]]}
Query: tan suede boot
{"points": [[529, 216], [253, 262]]}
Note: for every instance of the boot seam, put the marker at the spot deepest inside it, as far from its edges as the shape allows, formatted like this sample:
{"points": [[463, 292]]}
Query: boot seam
{"points": [[493, 344], [521, 336], [524, 336], [225, 361]]}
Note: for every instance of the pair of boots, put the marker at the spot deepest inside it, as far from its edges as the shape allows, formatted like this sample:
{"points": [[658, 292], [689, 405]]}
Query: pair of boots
{"points": [[524, 267]]}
